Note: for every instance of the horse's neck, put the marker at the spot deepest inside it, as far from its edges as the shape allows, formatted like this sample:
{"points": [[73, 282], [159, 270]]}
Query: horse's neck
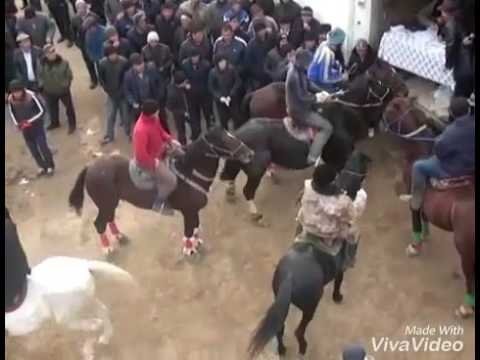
{"points": [[357, 91]]}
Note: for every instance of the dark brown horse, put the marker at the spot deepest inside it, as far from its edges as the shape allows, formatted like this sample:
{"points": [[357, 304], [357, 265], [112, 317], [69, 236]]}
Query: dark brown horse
{"points": [[452, 209], [108, 181]]}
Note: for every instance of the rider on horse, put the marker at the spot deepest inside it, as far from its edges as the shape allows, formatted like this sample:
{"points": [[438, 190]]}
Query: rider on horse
{"points": [[151, 145], [326, 69], [453, 154], [329, 215], [299, 99], [16, 266]]}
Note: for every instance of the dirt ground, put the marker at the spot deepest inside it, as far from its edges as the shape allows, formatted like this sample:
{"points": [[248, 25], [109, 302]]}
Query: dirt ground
{"points": [[208, 309]]}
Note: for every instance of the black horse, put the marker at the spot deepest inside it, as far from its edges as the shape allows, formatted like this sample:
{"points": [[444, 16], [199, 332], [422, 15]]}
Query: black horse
{"points": [[273, 144], [108, 181], [302, 273]]}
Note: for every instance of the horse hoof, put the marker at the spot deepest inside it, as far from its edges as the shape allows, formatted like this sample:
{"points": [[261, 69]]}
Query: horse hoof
{"points": [[412, 251], [109, 255], [123, 240], [337, 298], [465, 311]]}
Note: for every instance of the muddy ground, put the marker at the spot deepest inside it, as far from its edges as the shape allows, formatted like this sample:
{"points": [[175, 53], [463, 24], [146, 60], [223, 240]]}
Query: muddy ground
{"points": [[208, 309]]}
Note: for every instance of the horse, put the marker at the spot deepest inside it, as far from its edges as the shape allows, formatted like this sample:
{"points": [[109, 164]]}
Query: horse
{"points": [[108, 181], [62, 289], [302, 273], [366, 95], [451, 208]]}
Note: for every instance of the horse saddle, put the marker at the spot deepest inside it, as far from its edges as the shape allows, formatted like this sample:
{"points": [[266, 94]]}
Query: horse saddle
{"points": [[142, 179], [451, 183], [301, 134]]}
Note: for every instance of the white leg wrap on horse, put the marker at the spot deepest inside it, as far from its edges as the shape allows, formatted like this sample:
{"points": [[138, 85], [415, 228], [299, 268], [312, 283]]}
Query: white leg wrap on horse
{"points": [[103, 313], [252, 207]]}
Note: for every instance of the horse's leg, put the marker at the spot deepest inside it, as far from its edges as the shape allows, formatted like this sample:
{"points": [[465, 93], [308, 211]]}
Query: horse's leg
{"points": [[337, 294], [468, 266], [229, 174], [104, 315], [415, 247], [191, 239], [255, 174], [121, 238], [101, 226], [281, 346], [300, 331]]}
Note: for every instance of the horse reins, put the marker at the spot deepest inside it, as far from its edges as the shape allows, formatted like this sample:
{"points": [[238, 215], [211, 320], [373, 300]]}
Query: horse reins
{"points": [[218, 152], [380, 99], [410, 135]]}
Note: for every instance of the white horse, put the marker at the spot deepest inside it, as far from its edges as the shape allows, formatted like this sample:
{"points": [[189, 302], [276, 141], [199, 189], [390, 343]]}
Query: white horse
{"points": [[62, 289]]}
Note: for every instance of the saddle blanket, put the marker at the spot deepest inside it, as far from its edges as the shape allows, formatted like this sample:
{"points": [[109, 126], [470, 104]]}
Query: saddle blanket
{"points": [[305, 135], [451, 183]]}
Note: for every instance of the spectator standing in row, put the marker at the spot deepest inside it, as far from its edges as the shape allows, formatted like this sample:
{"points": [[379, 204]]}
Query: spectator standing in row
{"points": [[362, 57], [224, 84], [196, 71], [196, 39], [195, 9], [181, 33], [121, 44], [98, 8], [214, 15], [152, 9], [177, 104], [233, 47], [259, 15], [286, 10], [166, 24], [255, 56], [94, 39], [278, 60], [113, 8], [237, 11], [124, 21], [40, 28], [111, 72], [305, 24], [26, 112], [158, 55], [56, 80], [78, 34], [309, 43], [237, 29], [60, 13], [137, 36], [26, 60]]}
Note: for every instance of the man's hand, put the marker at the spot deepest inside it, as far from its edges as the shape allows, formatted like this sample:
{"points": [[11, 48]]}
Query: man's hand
{"points": [[136, 106], [322, 97], [228, 99]]}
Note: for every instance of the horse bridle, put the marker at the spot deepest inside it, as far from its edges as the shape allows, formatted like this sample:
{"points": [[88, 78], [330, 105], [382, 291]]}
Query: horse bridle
{"points": [[380, 98], [218, 151], [389, 127]]}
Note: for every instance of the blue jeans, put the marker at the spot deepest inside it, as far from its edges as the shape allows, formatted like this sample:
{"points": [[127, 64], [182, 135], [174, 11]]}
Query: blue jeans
{"points": [[36, 140], [422, 170], [114, 107]]}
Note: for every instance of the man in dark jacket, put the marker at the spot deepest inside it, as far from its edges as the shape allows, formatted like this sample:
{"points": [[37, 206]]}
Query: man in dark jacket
{"points": [[214, 17], [56, 80], [124, 21], [78, 34], [199, 99], [300, 101], [177, 104], [16, 266], [255, 55], [60, 13], [137, 36], [40, 28], [152, 9], [233, 47], [27, 112], [453, 153], [363, 56], [121, 44], [224, 84], [306, 23], [111, 72], [94, 38], [26, 60], [278, 60], [158, 55], [140, 83], [196, 39], [166, 24], [287, 9]]}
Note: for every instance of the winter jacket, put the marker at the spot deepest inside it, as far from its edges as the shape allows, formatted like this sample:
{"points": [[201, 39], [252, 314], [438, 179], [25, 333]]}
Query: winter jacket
{"points": [[166, 29], [188, 45], [78, 31], [123, 47], [197, 77], [267, 20], [197, 13], [137, 39], [137, 89], [224, 83], [325, 68], [268, 6], [214, 16], [287, 9], [21, 65], [112, 8], [176, 99], [242, 16], [458, 57], [299, 93], [40, 28], [255, 56], [297, 33], [150, 141], [276, 65], [16, 264], [55, 76], [152, 8], [455, 147], [29, 109], [235, 50], [94, 39], [161, 56], [356, 66], [123, 25], [111, 75]]}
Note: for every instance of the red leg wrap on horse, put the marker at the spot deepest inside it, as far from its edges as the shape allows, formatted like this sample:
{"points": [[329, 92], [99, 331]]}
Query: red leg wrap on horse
{"points": [[104, 240], [113, 228]]}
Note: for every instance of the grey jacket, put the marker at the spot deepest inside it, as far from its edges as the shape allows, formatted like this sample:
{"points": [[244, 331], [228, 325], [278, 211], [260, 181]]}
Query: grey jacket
{"points": [[40, 28], [112, 8], [299, 94], [111, 76]]}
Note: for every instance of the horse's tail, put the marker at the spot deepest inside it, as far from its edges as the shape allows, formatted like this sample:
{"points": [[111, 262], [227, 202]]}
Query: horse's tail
{"points": [[76, 195], [111, 271], [273, 320]]}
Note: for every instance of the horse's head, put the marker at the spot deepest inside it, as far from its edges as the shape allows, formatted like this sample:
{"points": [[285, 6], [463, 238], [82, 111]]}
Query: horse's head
{"points": [[352, 176], [403, 119], [223, 144], [383, 76]]}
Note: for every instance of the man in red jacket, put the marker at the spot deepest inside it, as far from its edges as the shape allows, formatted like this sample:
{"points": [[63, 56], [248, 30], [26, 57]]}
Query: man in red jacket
{"points": [[151, 145]]}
